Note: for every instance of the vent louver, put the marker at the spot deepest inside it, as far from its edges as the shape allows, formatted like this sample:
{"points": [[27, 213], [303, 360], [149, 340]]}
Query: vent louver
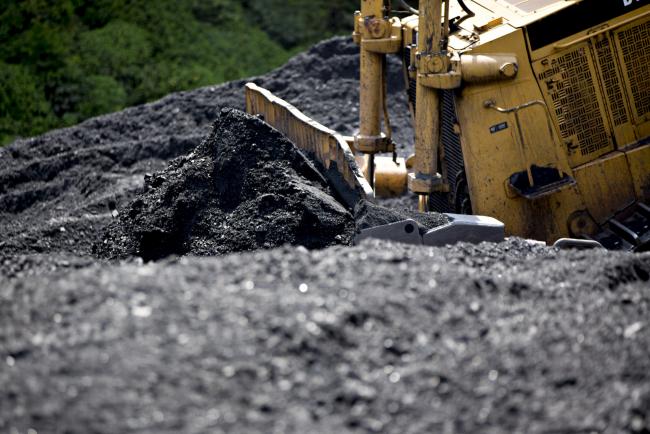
{"points": [[572, 91], [636, 55], [612, 83]]}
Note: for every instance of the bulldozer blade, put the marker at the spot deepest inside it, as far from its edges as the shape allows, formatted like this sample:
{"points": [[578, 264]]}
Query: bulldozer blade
{"points": [[460, 228], [324, 145]]}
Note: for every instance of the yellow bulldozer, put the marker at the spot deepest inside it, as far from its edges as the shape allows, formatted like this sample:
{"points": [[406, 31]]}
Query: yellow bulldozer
{"points": [[535, 113]]}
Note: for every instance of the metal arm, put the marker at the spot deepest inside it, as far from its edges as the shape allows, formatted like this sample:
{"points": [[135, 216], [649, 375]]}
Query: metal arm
{"points": [[377, 36], [426, 178]]}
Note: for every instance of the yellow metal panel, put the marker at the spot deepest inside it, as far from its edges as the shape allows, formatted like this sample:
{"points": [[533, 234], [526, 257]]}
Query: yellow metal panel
{"points": [[570, 40], [631, 43], [613, 86], [492, 157], [634, 57], [598, 81], [547, 219], [606, 185], [569, 82], [643, 130], [639, 162]]}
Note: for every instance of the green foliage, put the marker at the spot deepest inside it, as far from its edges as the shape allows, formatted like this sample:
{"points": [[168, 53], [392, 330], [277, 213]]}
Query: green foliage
{"points": [[296, 22], [164, 77], [119, 50], [22, 103], [62, 61], [103, 94]]}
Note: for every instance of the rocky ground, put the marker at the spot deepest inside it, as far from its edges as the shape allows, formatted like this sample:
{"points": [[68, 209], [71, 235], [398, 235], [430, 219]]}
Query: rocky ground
{"points": [[380, 337]]}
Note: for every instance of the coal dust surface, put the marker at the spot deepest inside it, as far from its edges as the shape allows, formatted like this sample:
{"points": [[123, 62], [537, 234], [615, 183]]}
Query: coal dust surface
{"points": [[244, 188], [495, 338], [308, 337]]}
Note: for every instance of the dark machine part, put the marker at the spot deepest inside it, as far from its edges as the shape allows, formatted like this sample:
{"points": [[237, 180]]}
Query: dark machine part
{"points": [[629, 231], [457, 200]]}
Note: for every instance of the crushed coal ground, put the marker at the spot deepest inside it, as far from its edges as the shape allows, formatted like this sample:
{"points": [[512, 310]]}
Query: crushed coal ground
{"points": [[382, 337], [244, 188]]}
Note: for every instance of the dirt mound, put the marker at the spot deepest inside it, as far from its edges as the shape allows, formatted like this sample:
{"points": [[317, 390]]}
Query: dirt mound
{"points": [[246, 187]]}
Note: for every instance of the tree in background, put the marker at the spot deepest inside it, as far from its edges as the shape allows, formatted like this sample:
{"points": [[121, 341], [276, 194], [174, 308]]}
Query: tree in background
{"points": [[294, 22], [22, 102], [63, 61]]}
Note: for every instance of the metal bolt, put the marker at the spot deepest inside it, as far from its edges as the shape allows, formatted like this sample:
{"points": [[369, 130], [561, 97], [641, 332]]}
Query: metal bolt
{"points": [[509, 70]]}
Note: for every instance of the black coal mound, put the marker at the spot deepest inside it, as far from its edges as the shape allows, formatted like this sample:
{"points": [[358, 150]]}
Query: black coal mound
{"points": [[246, 187], [369, 215]]}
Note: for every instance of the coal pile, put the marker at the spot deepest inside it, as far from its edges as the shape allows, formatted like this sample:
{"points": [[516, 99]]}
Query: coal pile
{"points": [[244, 188], [494, 338]]}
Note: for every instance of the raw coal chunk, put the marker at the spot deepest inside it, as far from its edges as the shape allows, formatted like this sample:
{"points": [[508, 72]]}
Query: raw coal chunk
{"points": [[245, 187], [368, 215]]}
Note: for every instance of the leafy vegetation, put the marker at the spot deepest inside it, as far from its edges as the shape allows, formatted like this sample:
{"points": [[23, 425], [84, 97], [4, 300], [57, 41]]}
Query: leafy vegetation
{"points": [[63, 61]]}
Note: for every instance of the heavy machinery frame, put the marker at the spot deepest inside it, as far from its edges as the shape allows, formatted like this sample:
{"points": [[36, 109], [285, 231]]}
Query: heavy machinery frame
{"points": [[535, 112]]}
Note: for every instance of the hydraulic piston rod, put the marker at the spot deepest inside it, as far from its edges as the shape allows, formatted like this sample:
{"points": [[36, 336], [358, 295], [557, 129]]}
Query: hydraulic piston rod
{"points": [[429, 60], [371, 73], [374, 33]]}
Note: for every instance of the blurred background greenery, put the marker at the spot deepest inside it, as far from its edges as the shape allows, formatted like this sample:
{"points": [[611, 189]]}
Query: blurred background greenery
{"points": [[63, 61]]}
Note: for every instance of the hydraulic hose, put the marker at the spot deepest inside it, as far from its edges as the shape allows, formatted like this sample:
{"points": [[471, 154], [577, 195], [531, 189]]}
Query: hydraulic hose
{"points": [[409, 8], [468, 13]]}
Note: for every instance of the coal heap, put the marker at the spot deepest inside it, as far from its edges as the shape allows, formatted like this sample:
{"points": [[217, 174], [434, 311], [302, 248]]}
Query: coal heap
{"points": [[246, 187]]}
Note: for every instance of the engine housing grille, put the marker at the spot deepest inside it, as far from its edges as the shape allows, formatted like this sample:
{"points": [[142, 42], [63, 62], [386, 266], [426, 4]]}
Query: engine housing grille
{"points": [[572, 91], [636, 56], [607, 66]]}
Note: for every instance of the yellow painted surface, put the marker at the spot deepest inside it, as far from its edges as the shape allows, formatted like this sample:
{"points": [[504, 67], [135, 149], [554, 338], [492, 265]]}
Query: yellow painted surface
{"points": [[390, 178], [606, 185], [643, 129], [639, 163], [632, 53], [611, 24], [546, 219], [491, 158], [555, 72], [328, 147], [427, 118], [624, 132]]}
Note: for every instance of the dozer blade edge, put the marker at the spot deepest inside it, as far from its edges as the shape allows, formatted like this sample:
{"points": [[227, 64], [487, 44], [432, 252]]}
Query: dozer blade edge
{"points": [[323, 144]]}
